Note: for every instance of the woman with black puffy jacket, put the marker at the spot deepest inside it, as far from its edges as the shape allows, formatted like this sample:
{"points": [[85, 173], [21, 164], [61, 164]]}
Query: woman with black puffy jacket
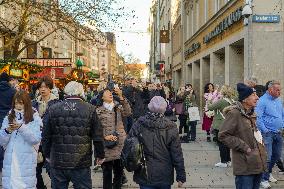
{"points": [[161, 146]]}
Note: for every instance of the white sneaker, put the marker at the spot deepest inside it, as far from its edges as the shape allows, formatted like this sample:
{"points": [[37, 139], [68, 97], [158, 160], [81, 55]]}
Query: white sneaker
{"points": [[272, 179], [222, 165], [265, 184], [229, 163]]}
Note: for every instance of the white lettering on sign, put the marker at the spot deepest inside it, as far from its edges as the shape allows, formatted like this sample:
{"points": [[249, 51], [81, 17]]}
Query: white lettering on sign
{"points": [[57, 62]]}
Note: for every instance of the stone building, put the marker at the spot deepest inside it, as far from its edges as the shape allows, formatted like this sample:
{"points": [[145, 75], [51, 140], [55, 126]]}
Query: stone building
{"points": [[219, 48]]}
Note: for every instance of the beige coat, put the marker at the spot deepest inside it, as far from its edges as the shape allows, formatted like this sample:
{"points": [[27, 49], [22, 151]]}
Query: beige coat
{"points": [[107, 119]]}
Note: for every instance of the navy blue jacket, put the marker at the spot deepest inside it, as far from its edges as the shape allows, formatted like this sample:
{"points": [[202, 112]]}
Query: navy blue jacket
{"points": [[6, 97]]}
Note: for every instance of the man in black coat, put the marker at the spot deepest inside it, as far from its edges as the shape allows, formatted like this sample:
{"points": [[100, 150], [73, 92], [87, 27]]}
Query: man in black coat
{"points": [[71, 126], [7, 93], [138, 99]]}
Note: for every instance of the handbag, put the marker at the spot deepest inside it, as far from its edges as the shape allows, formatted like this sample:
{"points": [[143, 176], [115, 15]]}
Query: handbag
{"points": [[179, 107], [193, 114], [109, 143]]}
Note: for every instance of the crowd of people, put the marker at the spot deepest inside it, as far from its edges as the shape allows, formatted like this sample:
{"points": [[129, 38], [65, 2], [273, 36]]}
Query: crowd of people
{"points": [[59, 130]]}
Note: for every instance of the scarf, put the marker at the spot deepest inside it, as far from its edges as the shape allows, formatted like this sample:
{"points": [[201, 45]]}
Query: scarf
{"points": [[108, 106], [42, 105]]}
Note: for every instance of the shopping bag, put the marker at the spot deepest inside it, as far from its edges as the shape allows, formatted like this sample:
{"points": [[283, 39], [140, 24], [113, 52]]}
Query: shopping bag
{"points": [[193, 114]]}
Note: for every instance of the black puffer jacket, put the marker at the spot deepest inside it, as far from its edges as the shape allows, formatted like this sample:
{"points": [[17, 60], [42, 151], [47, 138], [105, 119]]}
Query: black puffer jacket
{"points": [[67, 138], [162, 150], [6, 96]]}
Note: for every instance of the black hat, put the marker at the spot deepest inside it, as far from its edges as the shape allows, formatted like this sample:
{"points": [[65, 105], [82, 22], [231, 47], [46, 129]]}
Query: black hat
{"points": [[244, 91], [4, 77]]}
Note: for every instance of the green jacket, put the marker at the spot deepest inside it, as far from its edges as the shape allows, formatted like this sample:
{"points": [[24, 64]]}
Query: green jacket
{"points": [[218, 108]]}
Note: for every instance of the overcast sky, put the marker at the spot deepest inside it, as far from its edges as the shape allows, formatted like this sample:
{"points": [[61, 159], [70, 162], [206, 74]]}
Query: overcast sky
{"points": [[136, 43]]}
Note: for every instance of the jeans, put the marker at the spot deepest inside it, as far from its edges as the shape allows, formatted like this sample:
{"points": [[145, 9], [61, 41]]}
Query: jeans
{"points": [[248, 181], [81, 178], [273, 145], [192, 130], [117, 168], [155, 187]]}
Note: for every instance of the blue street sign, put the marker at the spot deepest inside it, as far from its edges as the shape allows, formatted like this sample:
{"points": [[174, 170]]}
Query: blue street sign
{"points": [[266, 18]]}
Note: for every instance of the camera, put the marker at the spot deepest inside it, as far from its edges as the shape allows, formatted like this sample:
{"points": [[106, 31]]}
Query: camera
{"points": [[110, 83], [247, 11]]}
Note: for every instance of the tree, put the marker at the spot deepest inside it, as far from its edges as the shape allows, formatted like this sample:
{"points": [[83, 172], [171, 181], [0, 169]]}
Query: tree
{"points": [[28, 22], [134, 70], [131, 59]]}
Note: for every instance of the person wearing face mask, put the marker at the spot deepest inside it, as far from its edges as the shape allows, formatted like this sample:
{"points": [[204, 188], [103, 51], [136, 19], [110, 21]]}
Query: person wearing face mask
{"points": [[20, 135], [111, 114], [41, 104]]}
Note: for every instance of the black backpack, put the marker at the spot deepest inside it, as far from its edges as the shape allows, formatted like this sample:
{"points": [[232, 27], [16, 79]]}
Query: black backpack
{"points": [[132, 154]]}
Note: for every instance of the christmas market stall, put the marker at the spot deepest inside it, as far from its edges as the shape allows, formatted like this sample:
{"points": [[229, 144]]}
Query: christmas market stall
{"points": [[20, 70]]}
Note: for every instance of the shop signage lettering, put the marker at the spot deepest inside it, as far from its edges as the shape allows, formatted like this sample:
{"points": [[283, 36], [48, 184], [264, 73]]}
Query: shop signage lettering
{"points": [[55, 62], [194, 47], [16, 73], [266, 18], [223, 25]]}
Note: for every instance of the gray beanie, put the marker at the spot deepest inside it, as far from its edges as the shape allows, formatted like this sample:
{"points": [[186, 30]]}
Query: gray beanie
{"points": [[158, 105]]}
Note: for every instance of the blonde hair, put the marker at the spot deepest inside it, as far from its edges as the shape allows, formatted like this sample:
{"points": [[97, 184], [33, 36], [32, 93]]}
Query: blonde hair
{"points": [[228, 92]]}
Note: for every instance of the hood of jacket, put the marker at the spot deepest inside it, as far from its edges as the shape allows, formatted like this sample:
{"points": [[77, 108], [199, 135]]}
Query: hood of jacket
{"points": [[156, 120], [237, 105], [4, 86]]}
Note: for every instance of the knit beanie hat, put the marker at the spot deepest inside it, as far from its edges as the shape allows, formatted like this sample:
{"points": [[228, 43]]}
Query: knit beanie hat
{"points": [[244, 91], [158, 105], [4, 77]]}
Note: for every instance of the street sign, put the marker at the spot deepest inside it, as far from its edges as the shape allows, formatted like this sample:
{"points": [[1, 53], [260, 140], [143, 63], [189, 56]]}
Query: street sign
{"points": [[266, 18]]}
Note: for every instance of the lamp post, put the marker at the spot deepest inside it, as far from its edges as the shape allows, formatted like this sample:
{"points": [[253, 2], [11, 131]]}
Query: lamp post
{"points": [[247, 12]]}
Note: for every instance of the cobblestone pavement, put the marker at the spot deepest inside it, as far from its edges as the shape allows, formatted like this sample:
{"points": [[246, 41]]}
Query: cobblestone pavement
{"points": [[200, 157]]}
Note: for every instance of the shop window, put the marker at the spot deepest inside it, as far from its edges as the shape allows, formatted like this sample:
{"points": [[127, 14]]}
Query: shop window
{"points": [[46, 53], [31, 49]]}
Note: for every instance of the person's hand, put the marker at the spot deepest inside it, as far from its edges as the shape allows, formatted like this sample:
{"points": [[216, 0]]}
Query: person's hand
{"points": [[12, 127], [100, 161], [111, 138], [180, 184], [248, 151], [118, 92]]}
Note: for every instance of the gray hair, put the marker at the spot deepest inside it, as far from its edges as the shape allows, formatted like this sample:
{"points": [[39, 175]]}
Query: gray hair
{"points": [[74, 88]]}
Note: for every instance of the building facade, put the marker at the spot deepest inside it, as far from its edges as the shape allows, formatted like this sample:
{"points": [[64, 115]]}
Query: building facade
{"points": [[211, 42]]}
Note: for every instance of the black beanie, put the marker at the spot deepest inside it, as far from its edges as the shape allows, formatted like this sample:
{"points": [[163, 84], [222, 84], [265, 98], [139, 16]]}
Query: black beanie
{"points": [[4, 77], [244, 91]]}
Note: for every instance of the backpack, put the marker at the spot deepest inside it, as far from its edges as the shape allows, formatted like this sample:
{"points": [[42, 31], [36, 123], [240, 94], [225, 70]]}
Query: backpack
{"points": [[132, 154]]}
